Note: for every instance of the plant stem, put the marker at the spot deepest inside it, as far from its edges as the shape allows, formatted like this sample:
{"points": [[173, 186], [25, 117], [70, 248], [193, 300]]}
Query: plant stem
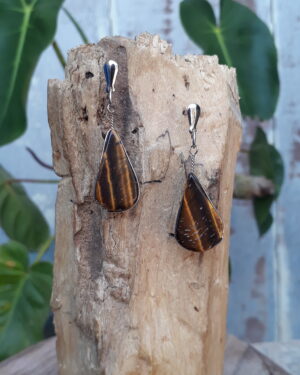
{"points": [[38, 160], [43, 249], [59, 54], [77, 26], [30, 180]]}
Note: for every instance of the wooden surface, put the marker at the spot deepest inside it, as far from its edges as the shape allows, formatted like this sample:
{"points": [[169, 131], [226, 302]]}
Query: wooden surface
{"points": [[240, 359], [284, 354], [39, 359], [127, 298]]}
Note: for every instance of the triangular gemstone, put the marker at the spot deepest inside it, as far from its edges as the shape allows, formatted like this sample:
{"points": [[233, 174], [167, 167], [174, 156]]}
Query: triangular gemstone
{"points": [[117, 187], [198, 226]]}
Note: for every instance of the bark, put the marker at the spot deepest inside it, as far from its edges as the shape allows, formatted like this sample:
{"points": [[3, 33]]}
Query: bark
{"points": [[127, 298]]}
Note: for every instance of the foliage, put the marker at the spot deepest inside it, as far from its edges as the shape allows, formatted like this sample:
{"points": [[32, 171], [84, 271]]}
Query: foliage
{"points": [[26, 28], [24, 298], [241, 40], [266, 161], [25, 287], [20, 218]]}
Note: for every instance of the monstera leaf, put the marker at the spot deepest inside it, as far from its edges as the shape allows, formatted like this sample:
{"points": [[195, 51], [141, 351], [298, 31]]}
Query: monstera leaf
{"points": [[24, 298], [19, 216], [240, 39], [26, 29], [265, 161]]}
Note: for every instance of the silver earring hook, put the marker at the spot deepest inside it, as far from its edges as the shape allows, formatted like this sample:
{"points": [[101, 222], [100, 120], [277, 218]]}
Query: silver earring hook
{"points": [[193, 115], [110, 70]]}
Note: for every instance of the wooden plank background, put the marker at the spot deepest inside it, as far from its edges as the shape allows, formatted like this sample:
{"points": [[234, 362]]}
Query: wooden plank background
{"points": [[264, 293]]}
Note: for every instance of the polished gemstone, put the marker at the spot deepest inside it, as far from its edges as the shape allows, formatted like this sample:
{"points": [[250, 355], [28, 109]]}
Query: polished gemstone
{"points": [[117, 187], [198, 226]]}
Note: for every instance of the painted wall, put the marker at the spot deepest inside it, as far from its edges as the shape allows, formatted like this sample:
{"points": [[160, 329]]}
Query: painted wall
{"points": [[265, 293]]}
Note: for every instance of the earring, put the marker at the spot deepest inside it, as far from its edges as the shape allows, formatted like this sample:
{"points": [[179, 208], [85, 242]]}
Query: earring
{"points": [[117, 187], [198, 226]]}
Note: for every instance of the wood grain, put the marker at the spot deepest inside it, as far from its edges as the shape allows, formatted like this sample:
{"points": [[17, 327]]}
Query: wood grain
{"points": [[39, 359], [127, 298]]}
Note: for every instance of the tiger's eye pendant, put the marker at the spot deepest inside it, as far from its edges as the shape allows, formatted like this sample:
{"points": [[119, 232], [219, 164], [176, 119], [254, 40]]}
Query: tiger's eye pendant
{"points": [[198, 225], [117, 187]]}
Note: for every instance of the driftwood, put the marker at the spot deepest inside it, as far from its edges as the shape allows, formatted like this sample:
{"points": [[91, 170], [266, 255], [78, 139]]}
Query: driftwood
{"points": [[127, 298]]}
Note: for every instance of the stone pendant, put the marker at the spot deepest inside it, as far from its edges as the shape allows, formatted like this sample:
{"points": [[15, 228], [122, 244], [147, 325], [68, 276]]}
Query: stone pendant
{"points": [[198, 225], [117, 187]]}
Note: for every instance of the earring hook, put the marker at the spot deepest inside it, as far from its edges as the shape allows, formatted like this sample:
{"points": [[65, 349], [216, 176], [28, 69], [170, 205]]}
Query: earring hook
{"points": [[110, 71], [193, 116]]}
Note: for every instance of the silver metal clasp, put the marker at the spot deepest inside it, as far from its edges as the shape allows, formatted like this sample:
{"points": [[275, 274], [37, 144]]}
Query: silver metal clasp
{"points": [[110, 70], [193, 115]]}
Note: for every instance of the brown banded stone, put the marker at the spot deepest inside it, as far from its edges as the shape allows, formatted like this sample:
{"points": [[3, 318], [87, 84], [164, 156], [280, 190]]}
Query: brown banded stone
{"points": [[117, 187], [198, 226]]}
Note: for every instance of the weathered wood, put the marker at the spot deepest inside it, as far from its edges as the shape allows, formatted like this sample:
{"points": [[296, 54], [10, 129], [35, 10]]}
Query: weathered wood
{"points": [[241, 358], [39, 359], [284, 354], [127, 298]]}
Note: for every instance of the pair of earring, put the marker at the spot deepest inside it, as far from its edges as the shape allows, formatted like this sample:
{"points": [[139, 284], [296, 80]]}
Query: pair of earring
{"points": [[198, 226]]}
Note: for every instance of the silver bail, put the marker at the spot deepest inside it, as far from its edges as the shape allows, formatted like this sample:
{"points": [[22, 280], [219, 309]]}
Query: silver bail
{"points": [[110, 71], [193, 115]]}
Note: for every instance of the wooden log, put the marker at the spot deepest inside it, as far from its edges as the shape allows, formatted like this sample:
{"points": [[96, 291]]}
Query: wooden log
{"points": [[127, 298]]}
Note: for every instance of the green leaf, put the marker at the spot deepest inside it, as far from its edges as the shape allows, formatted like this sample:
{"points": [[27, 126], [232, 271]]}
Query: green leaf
{"points": [[24, 299], [20, 218], [265, 161], [263, 216], [26, 28], [240, 40]]}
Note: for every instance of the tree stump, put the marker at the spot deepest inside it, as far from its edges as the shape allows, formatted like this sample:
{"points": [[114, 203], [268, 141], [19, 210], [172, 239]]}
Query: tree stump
{"points": [[127, 299]]}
